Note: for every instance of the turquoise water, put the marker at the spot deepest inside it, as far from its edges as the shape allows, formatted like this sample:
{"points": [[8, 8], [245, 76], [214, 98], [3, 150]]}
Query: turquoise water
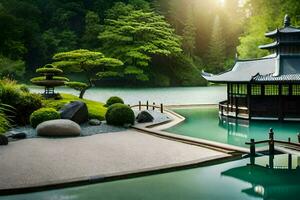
{"points": [[204, 123], [229, 181], [170, 96]]}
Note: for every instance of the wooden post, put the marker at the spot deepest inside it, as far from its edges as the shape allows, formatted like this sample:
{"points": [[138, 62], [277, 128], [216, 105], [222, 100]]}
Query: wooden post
{"points": [[289, 139], [162, 108], [140, 105], [147, 105], [290, 161], [298, 137], [252, 148], [271, 142], [153, 106]]}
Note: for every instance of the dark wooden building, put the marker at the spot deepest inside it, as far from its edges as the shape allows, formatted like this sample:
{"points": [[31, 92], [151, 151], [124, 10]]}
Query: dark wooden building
{"points": [[267, 88]]}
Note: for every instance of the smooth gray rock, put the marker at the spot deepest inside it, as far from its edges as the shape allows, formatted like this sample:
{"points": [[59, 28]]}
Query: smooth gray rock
{"points": [[94, 122], [58, 128], [144, 117], [3, 140], [76, 111], [16, 135]]}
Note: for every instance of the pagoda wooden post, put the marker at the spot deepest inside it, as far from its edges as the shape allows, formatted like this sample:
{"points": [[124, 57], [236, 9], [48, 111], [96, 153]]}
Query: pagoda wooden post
{"points": [[271, 142], [249, 99], [281, 114]]}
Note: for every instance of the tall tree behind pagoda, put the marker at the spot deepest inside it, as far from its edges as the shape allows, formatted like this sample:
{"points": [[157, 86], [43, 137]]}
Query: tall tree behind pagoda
{"points": [[216, 51], [189, 34]]}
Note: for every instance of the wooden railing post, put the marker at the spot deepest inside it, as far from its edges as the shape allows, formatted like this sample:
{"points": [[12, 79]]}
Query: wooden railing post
{"points": [[153, 108], [298, 137], [140, 105], [252, 147], [147, 105], [162, 108], [271, 142]]}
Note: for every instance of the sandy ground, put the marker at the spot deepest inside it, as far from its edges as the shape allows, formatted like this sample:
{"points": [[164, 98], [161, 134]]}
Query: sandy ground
{"points": [[40, 161]]}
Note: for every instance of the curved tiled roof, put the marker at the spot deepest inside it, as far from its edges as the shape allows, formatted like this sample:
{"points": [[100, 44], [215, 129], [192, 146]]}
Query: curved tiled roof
{"points": [[281, 78], [244, 71]]}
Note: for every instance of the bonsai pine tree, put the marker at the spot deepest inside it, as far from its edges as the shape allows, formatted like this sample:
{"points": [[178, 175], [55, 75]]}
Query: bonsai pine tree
{"points": [[49, 79], [90, 63], [77, 86]]}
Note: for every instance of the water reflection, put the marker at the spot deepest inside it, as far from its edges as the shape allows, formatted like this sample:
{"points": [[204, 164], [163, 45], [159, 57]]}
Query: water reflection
{"points": [[278, 179], [239, 131]]}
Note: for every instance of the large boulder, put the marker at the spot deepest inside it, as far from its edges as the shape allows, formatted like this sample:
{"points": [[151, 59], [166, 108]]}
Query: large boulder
{"points": [[58, 128], [144, 117], [76, 111], [3, 140]]}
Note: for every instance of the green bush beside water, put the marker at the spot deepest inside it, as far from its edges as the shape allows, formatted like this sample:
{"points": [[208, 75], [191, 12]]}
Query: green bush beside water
{"points": [[113, 100], [42, 115], [119, 114]]}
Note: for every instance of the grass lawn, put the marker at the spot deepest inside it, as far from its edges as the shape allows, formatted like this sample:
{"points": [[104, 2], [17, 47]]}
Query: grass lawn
{"points": [[96, 109]]}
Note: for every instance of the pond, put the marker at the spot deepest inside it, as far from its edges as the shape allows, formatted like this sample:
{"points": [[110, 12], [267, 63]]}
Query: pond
{"points": [[231, 180], [168, 96], [205, 123]]}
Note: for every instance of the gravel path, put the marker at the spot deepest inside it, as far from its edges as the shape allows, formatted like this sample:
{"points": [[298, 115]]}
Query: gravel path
{"points": [[42, 161]]}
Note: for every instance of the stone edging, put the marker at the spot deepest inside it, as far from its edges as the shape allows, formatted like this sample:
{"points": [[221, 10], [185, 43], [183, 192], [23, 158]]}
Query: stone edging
{"points": [[157, 130]]}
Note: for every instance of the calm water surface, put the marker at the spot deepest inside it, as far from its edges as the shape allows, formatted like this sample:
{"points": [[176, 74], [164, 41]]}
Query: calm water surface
{"points": [[169, 96], [229, 181], [205, 123]]}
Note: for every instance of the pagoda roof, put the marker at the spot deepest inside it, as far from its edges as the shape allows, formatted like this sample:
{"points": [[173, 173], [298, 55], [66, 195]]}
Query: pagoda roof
{"points": [[245, 70], [267, 69], [276, 44], [272, 78], [284, 30]]}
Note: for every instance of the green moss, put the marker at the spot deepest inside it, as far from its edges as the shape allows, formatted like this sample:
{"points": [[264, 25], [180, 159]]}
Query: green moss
{"points": [[96, 109]]}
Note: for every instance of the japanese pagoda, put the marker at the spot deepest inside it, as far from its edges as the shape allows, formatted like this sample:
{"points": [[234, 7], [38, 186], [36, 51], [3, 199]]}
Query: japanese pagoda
{"points": [[267, 88]]}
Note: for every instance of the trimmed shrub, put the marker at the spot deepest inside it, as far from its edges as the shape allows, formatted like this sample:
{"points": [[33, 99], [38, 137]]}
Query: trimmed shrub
{"points": [[42, 115], [119, 114], [46, 70], [113, 100]]}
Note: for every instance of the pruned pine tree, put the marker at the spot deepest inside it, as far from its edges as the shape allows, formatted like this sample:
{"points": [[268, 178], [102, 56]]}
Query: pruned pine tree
{"points": [[87, 62]]}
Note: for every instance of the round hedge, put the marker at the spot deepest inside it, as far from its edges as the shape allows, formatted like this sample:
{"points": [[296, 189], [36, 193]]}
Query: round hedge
{"points": [[42, 115], [114, 100], [119, 114]]}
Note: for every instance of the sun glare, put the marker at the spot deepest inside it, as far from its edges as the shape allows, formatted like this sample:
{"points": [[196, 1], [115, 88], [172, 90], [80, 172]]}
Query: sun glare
{"points": [[221, 2]]}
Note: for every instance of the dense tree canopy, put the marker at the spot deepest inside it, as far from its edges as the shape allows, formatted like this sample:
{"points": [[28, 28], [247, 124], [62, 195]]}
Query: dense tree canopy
{"points": [[136, 37], [146, 35]]}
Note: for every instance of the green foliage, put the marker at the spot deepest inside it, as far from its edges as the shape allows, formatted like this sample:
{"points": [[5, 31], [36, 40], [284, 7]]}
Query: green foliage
{"points": [[42, 115], [96, 110], [20, 99], [88, 62], [119, 115], [11, 68], [76, 85], [137, 36], [92, 30], [54, 78], [4, 119], [216, 52], [113, 100], [189, 35], [47, 70]]}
